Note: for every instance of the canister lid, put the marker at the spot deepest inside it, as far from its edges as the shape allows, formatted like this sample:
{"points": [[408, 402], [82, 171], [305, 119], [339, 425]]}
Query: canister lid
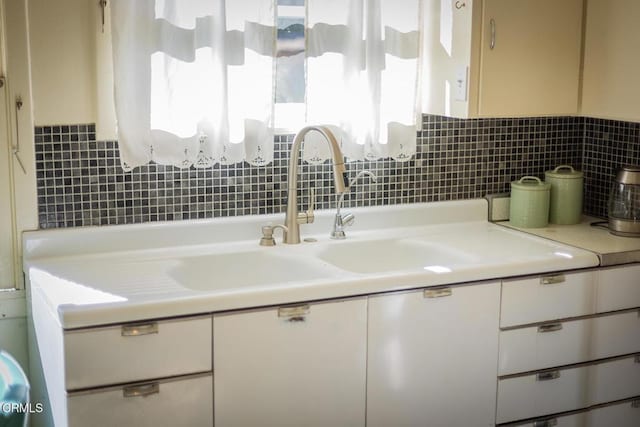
{"points": [[629, 174], [564, 172], [530, 183]]}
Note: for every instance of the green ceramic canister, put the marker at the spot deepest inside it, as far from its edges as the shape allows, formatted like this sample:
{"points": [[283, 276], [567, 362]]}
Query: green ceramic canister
{"points": [[566, 195], [529, 207]]}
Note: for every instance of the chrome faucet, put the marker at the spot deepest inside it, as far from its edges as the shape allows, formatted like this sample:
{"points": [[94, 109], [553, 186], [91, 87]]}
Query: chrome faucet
{"points": [[340, 221], [293, 218]]}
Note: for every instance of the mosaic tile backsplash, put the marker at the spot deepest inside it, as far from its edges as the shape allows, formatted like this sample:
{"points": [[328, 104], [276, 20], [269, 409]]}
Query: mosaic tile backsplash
{"points": [[80, 181], [608, 145]]}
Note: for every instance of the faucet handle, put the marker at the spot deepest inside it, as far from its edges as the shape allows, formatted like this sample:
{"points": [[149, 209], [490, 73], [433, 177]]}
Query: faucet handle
{"points": [[312, 205], [308, 216], [267, 234], [348, 219]]}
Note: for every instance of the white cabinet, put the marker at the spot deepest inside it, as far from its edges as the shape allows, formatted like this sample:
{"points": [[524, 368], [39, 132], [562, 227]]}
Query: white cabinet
{"points": [[522, 56], [432, 357], [129, 375], [291, 366], [588, 359]]}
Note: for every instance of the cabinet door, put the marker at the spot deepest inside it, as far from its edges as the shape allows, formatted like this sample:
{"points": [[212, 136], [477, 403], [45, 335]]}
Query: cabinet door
{"points": [[534, 65], [433, 357], [293, 366], [611, 60]]}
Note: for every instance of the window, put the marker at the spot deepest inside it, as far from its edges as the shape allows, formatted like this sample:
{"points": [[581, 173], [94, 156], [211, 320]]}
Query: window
{"points": [[225, 73], [290, 65]]}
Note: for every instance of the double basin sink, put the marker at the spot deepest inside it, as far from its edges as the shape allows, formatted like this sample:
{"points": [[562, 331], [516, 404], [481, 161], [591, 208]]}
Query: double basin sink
{"points": [[318, 260]]}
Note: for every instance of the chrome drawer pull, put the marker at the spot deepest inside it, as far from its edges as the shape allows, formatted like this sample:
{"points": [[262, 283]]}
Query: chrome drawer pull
{"points": [[141, 390], [635, 404], [139, 329], [294, 314], [546, 423], [550, 328], [552, 280], [547, 376], [438, 293]]}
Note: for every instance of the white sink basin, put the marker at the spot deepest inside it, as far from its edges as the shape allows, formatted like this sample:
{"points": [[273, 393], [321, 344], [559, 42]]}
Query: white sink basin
{"points": [[245, 269], [379, 256]]}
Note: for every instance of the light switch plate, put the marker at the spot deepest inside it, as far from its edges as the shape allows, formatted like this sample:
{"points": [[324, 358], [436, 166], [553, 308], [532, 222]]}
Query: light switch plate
{"points": [[460, 84]]}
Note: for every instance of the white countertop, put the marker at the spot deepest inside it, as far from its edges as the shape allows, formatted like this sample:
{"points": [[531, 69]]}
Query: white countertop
{"points": [[104, 275], [611, 249]]}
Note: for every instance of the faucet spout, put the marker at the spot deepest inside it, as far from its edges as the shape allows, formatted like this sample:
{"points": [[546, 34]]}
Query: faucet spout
{"points": [[293, 218]]}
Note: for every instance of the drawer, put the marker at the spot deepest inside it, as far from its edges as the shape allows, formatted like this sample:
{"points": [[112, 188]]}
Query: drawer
{"points": [[542, 394], [541, 347], [574, 420], [137, 352], [615, 335], [183, 401], [547, 297], [618, 288], [625, 414], [614, 380], [564, 343]]}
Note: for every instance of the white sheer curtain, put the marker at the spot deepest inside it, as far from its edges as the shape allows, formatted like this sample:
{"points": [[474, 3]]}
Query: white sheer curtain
{"points": [[363, 75], [194, 81]]}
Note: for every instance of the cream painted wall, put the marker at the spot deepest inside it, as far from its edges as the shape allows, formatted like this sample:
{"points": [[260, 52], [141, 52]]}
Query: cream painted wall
{"points": [[20, 123], [62, 34], [443, 23], [7, 241], [611, 88], [15, 68], [71, 64]]}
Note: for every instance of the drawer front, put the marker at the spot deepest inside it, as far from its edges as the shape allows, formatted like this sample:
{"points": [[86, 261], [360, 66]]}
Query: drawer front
{"points": [[128, 353], [542, 394], [186, 401], [547, 297], [573, 420], [618, 288], [556, 344], [626, 414], [546, 346], [615, 380], [616, 335]]}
